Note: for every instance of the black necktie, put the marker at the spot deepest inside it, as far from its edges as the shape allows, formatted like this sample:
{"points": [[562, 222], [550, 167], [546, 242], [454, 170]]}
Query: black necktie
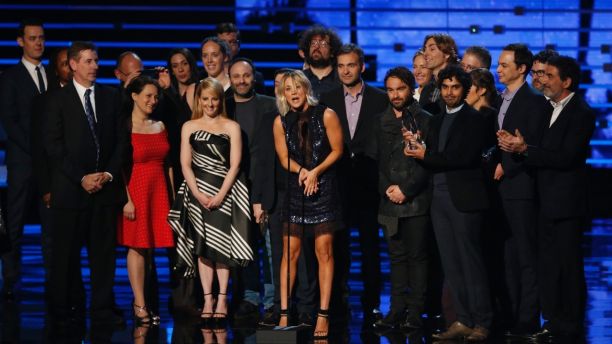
{"points": [[89, 112], [41, 81]]}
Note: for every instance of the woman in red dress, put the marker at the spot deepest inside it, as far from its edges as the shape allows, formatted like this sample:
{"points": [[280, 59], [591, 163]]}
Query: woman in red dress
{"points": [[143, 226]]}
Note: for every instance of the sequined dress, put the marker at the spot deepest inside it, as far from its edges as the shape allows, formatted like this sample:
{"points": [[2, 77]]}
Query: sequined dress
{"points": [[308, 145]]}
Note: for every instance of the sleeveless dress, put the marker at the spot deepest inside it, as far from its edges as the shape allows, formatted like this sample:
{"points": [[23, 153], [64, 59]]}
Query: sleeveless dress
{"points": [[308, 145], [220, 235], [149, 193]]}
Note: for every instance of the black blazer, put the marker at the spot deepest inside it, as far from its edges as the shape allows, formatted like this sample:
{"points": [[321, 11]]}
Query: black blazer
{"points": [[17, 90], [357, 167], [525, 113], [394, 168], [560, 158], [258, 160], [460, 159], [72, 151]]}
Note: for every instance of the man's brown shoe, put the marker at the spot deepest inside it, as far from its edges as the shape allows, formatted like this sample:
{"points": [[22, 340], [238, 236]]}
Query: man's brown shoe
{"points": [[456, 331], [478, 334]]}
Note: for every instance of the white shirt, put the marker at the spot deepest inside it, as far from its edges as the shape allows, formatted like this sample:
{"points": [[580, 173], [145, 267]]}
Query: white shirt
{"points": [[558, 107], [32, 70], [453, 110], [81, 92]]}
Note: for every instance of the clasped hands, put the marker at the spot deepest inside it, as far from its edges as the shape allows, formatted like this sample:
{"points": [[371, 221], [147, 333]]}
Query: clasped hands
{"points": [[309, 179], [209, 202], [94, 182], [395, 194], [511, 143]]}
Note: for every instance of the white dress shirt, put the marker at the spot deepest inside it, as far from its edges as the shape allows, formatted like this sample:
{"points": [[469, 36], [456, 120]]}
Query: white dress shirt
{"points": [[32, 70], [558, 107]]}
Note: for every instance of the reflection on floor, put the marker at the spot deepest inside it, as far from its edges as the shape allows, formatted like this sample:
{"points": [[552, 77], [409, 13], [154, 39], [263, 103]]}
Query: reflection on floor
{"points": [[24, 321]]}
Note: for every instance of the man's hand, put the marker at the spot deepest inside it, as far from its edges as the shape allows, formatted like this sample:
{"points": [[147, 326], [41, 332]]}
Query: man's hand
{"points": [[91, 182], [415, 149], [395, 194], [163, 78], [511, 143], [258, 212], [499, 172], [46, 198]]}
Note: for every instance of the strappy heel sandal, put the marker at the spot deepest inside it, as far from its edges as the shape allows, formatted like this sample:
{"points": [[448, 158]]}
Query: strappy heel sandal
{"points": [[318, 335], [148, 319], [205, 317], [284, 313], [220, 319]]}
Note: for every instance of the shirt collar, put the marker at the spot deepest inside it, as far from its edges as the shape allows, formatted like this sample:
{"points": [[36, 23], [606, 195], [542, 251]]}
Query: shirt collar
{"points": [[562, 102], [81, 89], [507, 95], [453, 110], [30, 66], [346, 91]]}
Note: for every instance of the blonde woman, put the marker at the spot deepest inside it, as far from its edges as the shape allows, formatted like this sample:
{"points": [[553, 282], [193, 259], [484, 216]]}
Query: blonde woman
{"points": [[308, 142], [211, 214]]}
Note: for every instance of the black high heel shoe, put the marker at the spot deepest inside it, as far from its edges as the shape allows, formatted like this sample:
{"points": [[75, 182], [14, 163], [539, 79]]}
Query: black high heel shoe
{"points": [[220, 319], [146, 320], [284, 313], [319, 335], [206, 317]]}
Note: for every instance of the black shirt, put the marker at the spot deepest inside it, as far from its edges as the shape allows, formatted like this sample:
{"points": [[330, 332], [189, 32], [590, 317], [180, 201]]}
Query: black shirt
{"points": [[246, 112], [327, 83]]}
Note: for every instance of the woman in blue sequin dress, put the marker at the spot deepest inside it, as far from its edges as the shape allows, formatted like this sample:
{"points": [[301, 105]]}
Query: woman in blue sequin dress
{"points": [[308, 141]]}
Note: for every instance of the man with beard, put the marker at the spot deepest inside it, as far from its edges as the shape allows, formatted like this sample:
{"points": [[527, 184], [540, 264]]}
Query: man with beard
{"points": [[453, 154], [255, 113], [357, 105], [403, 211], [559, 155], [538, 69], [440, 50], [320, 46]]}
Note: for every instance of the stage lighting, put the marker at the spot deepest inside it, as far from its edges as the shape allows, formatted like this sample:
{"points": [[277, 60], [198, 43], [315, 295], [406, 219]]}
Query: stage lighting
{"points": [[474, 29], [519, 10], [399, 47], [607, 67], [605, 48]]}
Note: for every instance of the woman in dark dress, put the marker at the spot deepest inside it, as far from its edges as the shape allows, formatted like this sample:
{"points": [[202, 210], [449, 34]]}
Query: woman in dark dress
{"points": [[184, 75], [308, 141]]}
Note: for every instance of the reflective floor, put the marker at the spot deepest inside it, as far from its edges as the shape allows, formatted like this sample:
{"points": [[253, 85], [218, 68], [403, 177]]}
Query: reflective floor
{"points": [[23, 321]]}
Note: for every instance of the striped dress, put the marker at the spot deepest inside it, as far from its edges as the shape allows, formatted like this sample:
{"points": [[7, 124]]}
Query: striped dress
{"points": [[220, 235]]}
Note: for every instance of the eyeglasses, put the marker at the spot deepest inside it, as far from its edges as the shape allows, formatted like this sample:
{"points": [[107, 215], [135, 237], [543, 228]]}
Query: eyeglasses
{"points": [[322, 44], [538, 73]]}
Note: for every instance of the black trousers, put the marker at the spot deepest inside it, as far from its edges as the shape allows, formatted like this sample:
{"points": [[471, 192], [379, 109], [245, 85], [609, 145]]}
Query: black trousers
{"points": [[94, 226], [561, 274], [520, 263], [408, 255], [458, 237], [275, 224], [21, 198]]}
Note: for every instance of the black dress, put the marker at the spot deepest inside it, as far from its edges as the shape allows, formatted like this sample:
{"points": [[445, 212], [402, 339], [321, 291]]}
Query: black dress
{"points": [[308, 145]]}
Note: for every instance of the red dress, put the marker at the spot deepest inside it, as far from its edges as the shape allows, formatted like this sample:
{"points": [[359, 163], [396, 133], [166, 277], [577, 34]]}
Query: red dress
{"points": [[147, 188]]}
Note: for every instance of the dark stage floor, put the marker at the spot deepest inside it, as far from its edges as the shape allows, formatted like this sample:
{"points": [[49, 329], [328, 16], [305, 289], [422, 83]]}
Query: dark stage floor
{"points": [[24, 320]]}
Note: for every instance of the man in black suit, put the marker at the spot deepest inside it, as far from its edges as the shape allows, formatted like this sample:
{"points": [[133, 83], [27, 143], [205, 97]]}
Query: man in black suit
{"points": [[358, 106], [521, 108], [453, 154], [559, 155], [86, 143], [403, 211], [255, 113], [18, 86]]}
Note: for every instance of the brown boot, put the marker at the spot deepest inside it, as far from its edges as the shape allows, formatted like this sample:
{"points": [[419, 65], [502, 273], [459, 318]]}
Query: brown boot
{"points": [[456, 331], [479, 334]]}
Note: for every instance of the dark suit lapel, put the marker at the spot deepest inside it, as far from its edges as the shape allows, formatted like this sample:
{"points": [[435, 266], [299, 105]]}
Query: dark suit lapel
{"points": [[28, 79], [101, 108], [565, 113], [342, 115], [514, 104], [363, 111], [457, 125]]}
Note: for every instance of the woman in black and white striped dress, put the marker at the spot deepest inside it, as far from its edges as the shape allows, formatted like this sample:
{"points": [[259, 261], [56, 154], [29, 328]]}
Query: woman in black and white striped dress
{"points": [[211, 213]]}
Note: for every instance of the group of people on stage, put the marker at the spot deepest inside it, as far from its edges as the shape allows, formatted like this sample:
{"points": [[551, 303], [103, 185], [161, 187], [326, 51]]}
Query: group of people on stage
{"points": [[228, 178]]}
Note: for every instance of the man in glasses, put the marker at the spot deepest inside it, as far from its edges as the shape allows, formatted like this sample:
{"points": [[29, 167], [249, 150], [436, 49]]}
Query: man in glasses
{"points": [[320, 46], [539, 66]]}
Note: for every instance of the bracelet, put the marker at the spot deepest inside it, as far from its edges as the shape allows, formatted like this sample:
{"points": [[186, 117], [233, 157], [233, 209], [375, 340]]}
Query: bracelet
{"points": [[300, 170]]}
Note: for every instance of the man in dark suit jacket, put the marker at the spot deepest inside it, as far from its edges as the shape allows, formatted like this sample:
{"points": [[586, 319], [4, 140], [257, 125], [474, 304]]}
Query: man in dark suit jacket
{"points": [[18, 86], [559, 155], [86, 143], [358, 106], [405, 190], [453, 154], [255, 113], [523, 109]]}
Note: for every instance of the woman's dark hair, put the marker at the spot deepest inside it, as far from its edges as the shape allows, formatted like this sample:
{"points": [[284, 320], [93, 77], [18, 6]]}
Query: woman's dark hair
{"points": [[135, 86], [193, 66], [482, 78]]}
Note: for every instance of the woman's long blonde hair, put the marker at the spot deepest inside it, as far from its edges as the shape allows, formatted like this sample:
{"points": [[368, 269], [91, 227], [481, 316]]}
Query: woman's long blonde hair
{"points": [[208, 83], [300, 78]]}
